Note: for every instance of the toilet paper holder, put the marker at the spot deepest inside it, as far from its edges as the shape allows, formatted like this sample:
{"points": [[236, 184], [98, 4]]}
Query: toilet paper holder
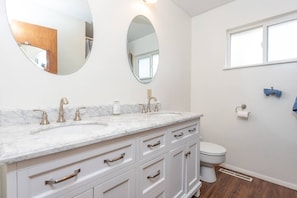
{"points": [[243, 106]]}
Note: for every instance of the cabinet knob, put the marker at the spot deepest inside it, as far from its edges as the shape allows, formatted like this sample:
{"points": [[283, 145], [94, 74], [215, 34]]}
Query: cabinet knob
{"points": [[188, 153]]}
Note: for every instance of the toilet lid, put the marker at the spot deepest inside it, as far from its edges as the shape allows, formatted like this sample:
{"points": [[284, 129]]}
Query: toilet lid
{"points": [[208, 148]]}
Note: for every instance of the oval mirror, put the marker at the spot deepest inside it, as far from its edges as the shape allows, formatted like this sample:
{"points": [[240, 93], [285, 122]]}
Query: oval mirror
{"points": [[55, 35], [142, 49]]}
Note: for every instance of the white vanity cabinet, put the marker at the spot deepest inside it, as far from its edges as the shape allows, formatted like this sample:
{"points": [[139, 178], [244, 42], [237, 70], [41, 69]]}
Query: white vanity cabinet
{"points": [[184, 161], [158, 163]]}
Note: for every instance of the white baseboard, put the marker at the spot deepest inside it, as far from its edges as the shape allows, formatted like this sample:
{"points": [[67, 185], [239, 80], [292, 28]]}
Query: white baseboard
{"points": [[260, 176]]}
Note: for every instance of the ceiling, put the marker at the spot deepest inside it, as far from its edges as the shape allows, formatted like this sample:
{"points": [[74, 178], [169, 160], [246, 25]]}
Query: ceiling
{"points": [[196, 7], [140, 27]]}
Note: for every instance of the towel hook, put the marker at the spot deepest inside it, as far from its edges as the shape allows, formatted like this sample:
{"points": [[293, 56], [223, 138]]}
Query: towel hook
{"points": [[243, 106]]}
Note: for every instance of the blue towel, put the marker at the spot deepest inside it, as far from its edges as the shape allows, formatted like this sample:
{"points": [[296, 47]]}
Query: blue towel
{"points": [[295, 106], [275, 92]]}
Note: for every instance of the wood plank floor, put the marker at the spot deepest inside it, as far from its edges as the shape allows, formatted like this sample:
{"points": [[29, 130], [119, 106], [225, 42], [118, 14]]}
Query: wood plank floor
{"points": [[228, 186]]}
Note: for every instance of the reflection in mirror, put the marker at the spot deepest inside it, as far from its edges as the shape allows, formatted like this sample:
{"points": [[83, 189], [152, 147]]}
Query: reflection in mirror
{"points": [[36, 55], [142, 49], [64, 29]]}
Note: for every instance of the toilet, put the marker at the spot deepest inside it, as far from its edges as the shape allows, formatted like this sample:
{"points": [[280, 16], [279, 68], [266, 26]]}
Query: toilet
{"points": [[210, 155]]}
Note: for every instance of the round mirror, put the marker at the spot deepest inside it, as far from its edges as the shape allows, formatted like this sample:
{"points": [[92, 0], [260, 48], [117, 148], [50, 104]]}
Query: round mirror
{"points": [[142, 49], [55, 35]]}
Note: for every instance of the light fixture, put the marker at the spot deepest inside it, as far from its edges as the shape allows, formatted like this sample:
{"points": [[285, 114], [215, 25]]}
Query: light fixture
{"points": [[150, 1]]}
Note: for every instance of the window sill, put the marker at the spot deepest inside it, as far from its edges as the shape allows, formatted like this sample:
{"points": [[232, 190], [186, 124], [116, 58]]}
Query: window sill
{"points": [[261, 65]]}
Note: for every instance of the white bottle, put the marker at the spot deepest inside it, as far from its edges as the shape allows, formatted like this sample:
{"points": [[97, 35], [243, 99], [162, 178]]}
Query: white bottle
{"points": [[116, 109]]}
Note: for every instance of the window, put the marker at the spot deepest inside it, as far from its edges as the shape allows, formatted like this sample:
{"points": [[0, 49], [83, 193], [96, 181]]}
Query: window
{"points": [[269, 42], [144, 68], [147, 65], [282, 41], [246, 47]]}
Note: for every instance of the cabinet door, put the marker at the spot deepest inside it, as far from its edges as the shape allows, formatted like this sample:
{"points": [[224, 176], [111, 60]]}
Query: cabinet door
{"points": [[176, 187], [122, 186], [192, 160]]}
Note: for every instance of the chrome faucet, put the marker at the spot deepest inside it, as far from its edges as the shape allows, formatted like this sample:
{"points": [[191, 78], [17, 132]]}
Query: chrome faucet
{"points": [[61, 117], [149, 103]]}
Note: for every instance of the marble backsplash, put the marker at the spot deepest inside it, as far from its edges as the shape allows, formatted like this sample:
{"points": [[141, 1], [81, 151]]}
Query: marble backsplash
{"points": [[20, 116]]}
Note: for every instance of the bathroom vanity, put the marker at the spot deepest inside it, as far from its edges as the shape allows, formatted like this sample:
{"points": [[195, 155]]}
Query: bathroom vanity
{"points": [[131, 155]]}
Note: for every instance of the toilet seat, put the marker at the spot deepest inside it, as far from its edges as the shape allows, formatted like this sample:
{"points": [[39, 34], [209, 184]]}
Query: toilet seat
{"points": [[211, 149]]}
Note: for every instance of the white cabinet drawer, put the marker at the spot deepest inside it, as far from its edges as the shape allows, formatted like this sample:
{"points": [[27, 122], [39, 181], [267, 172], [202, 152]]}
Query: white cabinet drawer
{"points": [[152, 144], [121, 186], [87, 194], [152, 176], [181, 133], [48, 179], [157, 193], [83, 192]]}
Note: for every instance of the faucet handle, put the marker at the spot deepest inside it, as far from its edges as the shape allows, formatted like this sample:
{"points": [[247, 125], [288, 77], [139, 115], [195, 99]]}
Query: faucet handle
{"points": [[44, 119], [77, 114], [156, 107], [142, 108]]}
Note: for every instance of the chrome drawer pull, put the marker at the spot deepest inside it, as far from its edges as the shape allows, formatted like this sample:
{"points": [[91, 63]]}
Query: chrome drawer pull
{"points": [[154, 145], [179, 135], [52, 181], [154, 176], [192, 130], [188, 153], [115, 159]]}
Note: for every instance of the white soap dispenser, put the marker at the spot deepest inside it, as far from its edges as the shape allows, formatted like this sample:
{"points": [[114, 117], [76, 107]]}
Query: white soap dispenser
{"points": [[116, 108]]}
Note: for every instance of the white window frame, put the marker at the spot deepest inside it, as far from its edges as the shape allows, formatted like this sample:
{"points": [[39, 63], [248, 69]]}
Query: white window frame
{"points": [[264, 24], [142, 56]]}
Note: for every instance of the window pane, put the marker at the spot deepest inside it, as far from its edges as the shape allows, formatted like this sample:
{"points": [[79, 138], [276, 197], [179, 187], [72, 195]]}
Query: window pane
{"points": [[246, 47], [282, 41], [155, 63], [144, 68]]}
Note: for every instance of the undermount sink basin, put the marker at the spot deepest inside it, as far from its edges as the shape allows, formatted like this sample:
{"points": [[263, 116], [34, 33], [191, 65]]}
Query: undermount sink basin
{"points": [[165, 114], [74, 127]]}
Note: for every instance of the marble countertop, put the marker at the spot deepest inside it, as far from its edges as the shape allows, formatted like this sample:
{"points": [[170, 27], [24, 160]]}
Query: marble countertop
{"points": [[27, 141]]}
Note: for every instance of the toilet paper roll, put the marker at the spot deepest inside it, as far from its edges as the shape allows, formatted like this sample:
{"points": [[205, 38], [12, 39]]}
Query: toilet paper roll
{"points": [[243, 114]]}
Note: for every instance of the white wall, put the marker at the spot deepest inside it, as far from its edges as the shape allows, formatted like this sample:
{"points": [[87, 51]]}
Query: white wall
{"points": [[107, 75], [266, 144]]}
